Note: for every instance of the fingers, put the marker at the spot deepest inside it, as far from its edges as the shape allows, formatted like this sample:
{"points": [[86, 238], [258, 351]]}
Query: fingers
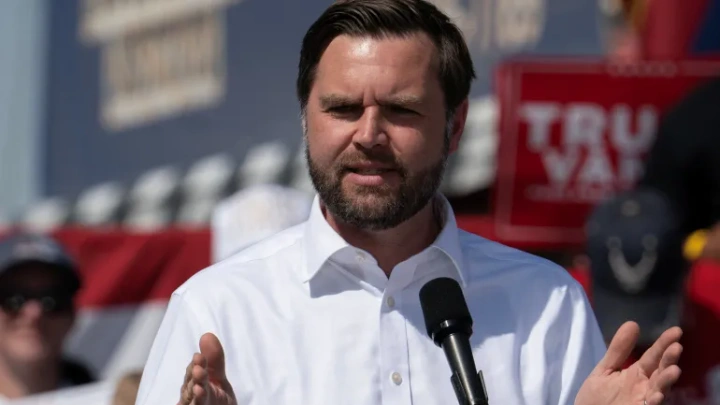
{"points": [[186, 380], [620, 347], [200, 393], [212, 350], [195, 375], [200, 383], [670, 359], [656, 398], [206, 366], [671, 356], [650, 360], [667, 378], [667, 374], [663, 382]]}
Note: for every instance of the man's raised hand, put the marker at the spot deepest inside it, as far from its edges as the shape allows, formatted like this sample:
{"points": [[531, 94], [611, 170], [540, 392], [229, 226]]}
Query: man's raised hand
{"points": [[646, 382], [205, 379]]}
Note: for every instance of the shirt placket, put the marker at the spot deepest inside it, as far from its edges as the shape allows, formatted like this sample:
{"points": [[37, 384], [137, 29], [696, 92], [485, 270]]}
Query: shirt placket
{"points": [[394, 349]]}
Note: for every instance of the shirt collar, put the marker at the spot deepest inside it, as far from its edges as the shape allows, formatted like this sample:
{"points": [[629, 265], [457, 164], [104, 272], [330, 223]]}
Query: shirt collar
{"points": [[322, 241], [448, 241]]}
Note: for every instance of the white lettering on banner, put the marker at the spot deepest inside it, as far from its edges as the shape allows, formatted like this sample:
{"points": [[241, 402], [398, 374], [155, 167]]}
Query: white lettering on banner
{"points": [[105, 20], [540, 116], [559, 165], [163, 72], [497, 25], [622, 134], [598, 150], [159, 57], [584, 126], [519, 23]]}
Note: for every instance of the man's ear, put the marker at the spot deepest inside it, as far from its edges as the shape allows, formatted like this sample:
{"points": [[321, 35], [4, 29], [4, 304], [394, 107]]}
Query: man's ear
{"points": [[458, 125]]}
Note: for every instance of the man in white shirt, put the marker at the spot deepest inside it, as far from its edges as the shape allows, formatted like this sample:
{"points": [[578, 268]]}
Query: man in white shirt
{"points": [[328, 313]]}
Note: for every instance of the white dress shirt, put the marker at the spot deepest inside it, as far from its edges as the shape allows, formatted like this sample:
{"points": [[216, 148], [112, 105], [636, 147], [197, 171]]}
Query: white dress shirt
{"points": [[307, 319]]}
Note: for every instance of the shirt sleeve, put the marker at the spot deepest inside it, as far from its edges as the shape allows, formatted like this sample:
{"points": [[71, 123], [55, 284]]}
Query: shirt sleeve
{"points": [[175, 343], [580, 347]]}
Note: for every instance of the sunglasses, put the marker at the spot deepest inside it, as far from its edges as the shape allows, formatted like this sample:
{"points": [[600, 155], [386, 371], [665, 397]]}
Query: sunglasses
{"points": [[52, 302]]}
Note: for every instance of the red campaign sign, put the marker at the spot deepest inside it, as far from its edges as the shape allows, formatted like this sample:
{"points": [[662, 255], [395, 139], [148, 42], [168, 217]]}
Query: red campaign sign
{"points": [[571, 134]]}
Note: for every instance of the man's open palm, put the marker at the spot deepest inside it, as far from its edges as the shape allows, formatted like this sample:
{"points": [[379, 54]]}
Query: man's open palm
{"points": [[649, 379], [205, 379]]}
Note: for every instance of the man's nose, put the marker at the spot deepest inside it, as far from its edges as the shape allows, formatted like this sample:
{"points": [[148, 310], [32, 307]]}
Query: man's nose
{"points": [[370, 132], [32, 309]]}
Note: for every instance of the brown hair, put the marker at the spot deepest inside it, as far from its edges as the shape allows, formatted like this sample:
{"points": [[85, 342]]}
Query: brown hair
{"points": [[390, 18]]}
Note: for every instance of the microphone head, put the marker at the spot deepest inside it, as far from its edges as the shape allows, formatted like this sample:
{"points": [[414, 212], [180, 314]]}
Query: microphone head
{"points": [[444, 309]]}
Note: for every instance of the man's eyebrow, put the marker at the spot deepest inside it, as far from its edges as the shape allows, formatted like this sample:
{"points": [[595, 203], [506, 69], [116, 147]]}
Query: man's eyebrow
{"points": [[337, 100], [405, 100]]}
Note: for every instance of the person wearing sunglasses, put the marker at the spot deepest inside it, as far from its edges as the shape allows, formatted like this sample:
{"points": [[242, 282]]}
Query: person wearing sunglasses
{"points": [[38, 283]]}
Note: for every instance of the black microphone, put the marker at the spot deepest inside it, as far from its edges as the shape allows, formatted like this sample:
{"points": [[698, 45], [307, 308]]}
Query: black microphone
{"points": [[449, 325]]}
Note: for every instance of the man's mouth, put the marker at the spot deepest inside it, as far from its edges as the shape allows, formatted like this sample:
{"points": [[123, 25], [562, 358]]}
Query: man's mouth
{"points": [[369, 172]]}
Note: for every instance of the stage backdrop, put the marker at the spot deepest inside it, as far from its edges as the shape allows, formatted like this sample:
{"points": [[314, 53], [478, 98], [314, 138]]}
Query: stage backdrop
{"points": [[137, 84]]}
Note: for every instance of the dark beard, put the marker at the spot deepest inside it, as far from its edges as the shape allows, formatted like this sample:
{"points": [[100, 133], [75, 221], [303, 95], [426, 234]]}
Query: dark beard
{"points": [[389, 207]]}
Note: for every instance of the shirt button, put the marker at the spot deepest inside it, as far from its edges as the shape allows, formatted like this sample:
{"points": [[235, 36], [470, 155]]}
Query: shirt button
{"points": [[396, 378], [390, 301], [360, 257]]}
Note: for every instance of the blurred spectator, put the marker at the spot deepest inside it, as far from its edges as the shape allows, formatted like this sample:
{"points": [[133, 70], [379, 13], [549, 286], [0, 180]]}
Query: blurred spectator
{"points": [[711, 250], [624, 36], [255, 213], [38, 282], [684, 164], [127, 388], [704, 244], [636, 264]]}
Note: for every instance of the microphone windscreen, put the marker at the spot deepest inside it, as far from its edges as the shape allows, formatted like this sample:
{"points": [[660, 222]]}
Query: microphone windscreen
{"points": [[442, 300]]}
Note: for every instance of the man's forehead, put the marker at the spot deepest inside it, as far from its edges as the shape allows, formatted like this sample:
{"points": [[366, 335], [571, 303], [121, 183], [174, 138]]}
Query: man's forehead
{"points": [[401, 74], [414, 48]]}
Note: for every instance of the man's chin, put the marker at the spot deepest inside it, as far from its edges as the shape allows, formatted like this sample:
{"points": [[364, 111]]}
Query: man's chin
{"points": [[360, 193], [369, 215], [370, 204]]}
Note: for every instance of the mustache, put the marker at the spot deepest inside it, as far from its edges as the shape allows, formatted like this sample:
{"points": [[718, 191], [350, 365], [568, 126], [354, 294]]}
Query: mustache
{"points": [[364, 157]]}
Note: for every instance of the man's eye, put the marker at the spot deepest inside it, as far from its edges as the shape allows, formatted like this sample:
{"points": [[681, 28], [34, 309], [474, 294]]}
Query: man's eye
{"points": [[345, 111], [402, 110]]}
